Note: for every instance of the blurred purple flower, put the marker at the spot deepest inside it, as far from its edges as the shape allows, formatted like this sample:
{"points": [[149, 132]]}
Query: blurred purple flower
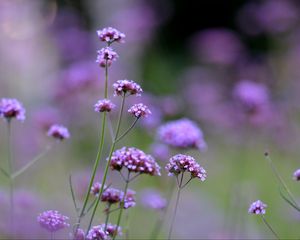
{"points": [[59, 132], [127, 86], [104, 105], [79, 235], [106, 56], [153, 199], [160, 151], [257, 207], [97, 233], [52, 220], [296, 175], [110, 35], [139, 110], [112, 230], [11, 108]]}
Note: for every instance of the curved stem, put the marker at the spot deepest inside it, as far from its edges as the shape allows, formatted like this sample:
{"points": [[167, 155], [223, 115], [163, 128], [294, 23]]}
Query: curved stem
{"points": [[128, 130], [269, 226]]}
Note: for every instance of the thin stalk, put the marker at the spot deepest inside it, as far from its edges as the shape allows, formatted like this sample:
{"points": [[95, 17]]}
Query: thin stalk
{"points": [[107, 211], [176, 206], [128, 130], [281, 181], [269, 226], [10, 171], [106, 80], [158, 225], [186, 183], [108, 162], [122, 203], [72, 194]]}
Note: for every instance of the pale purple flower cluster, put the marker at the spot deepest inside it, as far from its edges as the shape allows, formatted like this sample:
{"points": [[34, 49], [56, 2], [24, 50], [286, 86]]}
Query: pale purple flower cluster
{"points": [[182, 133], [104, 105], [11, 108], [139, 110], [257, 207], [97, 233], [296, 175], [181, 163], [106, 56], [112, 230], [153, 199], [135, 160], [52, 220], [79, 235], [110, 35], [127, 86], [59, 132]]}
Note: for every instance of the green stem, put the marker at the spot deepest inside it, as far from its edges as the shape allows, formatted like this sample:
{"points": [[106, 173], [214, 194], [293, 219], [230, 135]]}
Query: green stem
{"points": [[269, 226], [10, 171], [108, 163], [128, 130], [176, 207], [107, 216], [106, 80], [122, 203]]}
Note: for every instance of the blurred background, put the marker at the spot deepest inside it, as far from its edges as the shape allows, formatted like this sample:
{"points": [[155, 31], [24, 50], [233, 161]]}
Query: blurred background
{"points": [[230, 66]]}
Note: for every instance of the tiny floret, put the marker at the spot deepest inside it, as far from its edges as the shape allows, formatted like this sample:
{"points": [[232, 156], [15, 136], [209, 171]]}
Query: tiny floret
{"points": [[52, 220], [97, 233], [110, 35], [135, 160], [104, 105], [106, 56], [139, 110], [11, 108], [59, 132], [296, 175], [257, 207], [112, 230], [127, 86], [181, 163]]}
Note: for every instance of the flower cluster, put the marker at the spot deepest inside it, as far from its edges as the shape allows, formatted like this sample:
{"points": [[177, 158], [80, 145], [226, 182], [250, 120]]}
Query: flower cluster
{"points": [[257, 207], [127, 86], [182, 133], [296, 175], [11, 108], [139, 110], [112, 230], [104, 105], [181, 163], [110, 35], [106, 56], [97, 233], [79, 235], [59, 132], [135, 160], [52, 220]]}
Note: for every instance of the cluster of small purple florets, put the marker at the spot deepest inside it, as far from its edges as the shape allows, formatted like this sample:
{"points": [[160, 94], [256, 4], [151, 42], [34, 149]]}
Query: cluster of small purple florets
{"points": [[11, 108], [181, 163], [257, 207], [112, 230], [127, 86], [110, 35], [97, 233], [139, 110], [135, 160], [58, 131], [104, 105], [106, 56], [182, 133], [52, 220]]}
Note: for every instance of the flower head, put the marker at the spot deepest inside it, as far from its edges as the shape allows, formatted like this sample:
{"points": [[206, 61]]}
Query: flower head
{"points": [[127, 86], [257, 207], [11, 108], [59, 132], [181, 163], [104, 105], [153, 199], [52, 220], [139, 110], [112, 230], [296, 175], [106, 56], [182, 133], [110, 35], [134, 160], [97, 233], [79, 235]]}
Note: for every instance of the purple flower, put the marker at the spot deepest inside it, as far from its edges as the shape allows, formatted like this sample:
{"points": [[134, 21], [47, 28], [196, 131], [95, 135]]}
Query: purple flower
{"points": [[152, 199], [79, 235], [129, 199], [257, 207], [112, 230], [139, 110], [127, 86], [135, 160], [182, 133], [97, 233], [95, 189], [52, 220], [296, 175], [110, 35], [160, 151], [104, 105], [106, 56], [181, 163], [11, 108], [59, 132]]}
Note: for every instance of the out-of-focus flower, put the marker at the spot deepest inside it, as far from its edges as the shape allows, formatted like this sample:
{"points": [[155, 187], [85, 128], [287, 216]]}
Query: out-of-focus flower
{"points": [[97, 233], [52, 220], [182, 133], [106, 56], [296, 175], [11, 108], [160, 151], [257, 207], [110, 35], [153, 199], [139, 110], [59, 132], [104, 105], [135, 160], [127, 86], [112, 230], [181, 163], [79, 235]]}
